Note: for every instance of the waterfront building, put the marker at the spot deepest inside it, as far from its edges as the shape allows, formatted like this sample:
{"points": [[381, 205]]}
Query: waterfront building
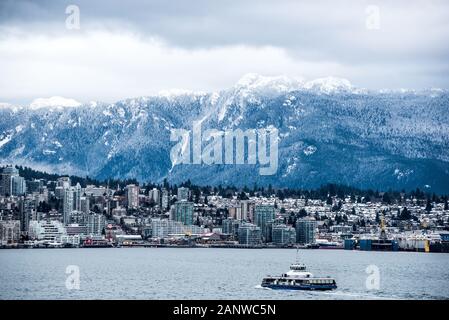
{"points": [[159, 228], [47, 231], [71, 240], [9, 232], [111, 231], [184, 212], [250, 234], [283, 234], [306, 230], [231, 227], [267, 231], [176, 228], [262, 215], [76, 229], [164, 228], [96, 223]]}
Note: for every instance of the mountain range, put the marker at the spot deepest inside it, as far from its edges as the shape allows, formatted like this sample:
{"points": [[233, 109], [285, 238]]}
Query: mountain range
{"points": [[329, 132]]}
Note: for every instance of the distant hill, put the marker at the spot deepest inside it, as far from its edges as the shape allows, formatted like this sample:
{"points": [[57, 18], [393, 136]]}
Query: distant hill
{"points": [[330, 132]]}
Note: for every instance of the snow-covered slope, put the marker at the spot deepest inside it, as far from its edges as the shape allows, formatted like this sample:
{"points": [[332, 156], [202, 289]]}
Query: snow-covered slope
{"points": [[330, 131]]}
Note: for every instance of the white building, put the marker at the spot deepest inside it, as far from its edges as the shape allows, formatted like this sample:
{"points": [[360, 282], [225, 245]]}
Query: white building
{"points": [[47, 231], [132, 196]]}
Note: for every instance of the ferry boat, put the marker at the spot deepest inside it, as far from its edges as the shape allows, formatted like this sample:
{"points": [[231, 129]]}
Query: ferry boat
{"points": [[297, 278]]}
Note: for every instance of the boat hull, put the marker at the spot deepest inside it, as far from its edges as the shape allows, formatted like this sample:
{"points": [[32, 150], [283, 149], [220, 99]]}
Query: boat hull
{"points": [[307, 287]]}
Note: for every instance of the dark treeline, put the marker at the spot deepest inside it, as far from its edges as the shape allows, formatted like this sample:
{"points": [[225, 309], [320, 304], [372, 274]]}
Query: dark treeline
{"points": [[324, 192], [31, 174]]}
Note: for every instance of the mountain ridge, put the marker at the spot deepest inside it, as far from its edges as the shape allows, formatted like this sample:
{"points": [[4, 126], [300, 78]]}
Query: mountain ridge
{"points": [[366, 139]]}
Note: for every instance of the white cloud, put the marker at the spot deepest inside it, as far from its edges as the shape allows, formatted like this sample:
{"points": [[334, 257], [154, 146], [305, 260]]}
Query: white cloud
{"points": [[109, 66], [209, 45]]}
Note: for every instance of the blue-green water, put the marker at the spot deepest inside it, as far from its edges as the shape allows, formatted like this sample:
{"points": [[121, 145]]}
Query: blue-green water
{"points": [[168, 273]]}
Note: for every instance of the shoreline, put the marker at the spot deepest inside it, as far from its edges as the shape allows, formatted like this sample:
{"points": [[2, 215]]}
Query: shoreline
{"points": [[205, 247]]}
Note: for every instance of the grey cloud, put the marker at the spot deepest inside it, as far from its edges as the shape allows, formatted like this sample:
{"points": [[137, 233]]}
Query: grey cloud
{"points": [[412, 38]]}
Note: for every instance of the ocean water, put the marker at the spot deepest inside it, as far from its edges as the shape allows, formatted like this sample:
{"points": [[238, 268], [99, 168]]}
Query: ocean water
{"points": [[206, 273]]}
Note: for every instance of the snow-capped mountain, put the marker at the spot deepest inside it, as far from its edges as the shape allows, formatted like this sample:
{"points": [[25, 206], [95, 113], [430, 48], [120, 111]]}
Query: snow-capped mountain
{"points": [[55, 101], [330, 131]]}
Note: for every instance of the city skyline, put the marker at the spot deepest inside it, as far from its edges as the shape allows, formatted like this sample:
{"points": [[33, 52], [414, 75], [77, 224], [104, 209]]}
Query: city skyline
{"points": [[225, 158]]}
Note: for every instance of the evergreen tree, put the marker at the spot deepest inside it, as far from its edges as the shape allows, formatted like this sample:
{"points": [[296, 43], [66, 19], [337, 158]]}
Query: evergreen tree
{"points": [[405, 214], [302, 213], [428, 205]]}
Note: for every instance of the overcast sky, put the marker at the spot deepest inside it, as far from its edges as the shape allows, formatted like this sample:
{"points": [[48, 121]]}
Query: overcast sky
{"points": [[131, 48]]}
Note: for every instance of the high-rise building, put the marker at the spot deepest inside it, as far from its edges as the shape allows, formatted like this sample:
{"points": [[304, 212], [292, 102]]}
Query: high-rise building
{"points": [[231, 226], [96, 223], [26, 210], [63, 182], [165, 199], [262, 215], [35, 185], [18, 186], [59, 192], [184, 212], [249, 234], [132, 196], [77, 197], [282, 234], [155, 196], [183, 194], [305, 230], [235, 212], [68, 205], [85, 204], [11, 183], [245, 206]]}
